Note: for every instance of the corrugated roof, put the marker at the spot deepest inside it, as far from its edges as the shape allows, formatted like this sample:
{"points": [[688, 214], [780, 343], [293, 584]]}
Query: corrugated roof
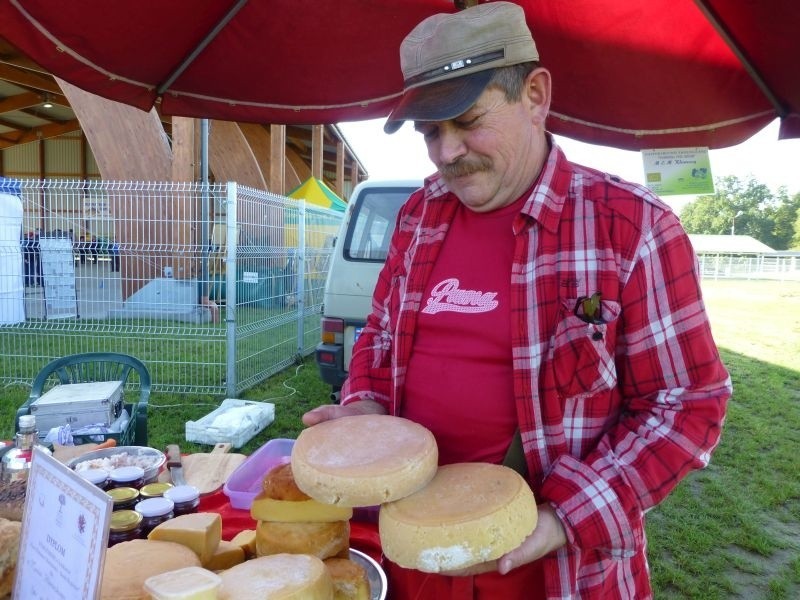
{"points": [[728, 244]]}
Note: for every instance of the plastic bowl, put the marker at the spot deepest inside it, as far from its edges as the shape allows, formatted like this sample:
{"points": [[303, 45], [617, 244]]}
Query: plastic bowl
{"points": [[244, 484]]}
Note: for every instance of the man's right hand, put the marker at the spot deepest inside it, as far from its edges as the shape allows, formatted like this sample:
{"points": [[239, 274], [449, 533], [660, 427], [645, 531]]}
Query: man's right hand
{"points": [[326, 412]]}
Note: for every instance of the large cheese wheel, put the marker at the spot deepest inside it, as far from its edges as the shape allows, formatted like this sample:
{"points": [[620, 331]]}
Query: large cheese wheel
{"points": [[468, 514], [323, 540], [277, 577], [364, 460]]}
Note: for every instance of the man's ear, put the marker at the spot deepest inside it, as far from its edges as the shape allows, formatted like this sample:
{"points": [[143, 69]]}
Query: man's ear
{"points": [[537, 92]]}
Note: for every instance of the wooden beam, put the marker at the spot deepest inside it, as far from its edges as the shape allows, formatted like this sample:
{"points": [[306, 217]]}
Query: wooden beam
{"points": [[41, 133], [277, 179], [317, 150], [28, 79], [20, 101], [339, 183]]}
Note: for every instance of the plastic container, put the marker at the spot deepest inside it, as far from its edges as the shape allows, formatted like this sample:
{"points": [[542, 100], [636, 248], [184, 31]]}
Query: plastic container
{"points": [[190, 582], [245, 482]]}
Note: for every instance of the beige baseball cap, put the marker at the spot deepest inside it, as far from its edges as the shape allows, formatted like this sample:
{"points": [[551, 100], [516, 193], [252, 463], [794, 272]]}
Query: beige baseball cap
{"points": [[448, 59]]}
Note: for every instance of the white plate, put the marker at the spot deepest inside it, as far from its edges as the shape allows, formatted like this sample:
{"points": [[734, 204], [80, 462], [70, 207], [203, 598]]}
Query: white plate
{"points": [[375, 574]]}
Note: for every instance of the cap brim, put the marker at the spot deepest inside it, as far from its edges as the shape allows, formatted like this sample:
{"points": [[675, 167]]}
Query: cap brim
{"points": [[438, 101]]}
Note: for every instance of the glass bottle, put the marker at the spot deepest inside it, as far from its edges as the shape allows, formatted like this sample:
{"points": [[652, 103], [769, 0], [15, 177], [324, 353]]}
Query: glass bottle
{"points": [[126, 525], [17, 461], [154, 511]]}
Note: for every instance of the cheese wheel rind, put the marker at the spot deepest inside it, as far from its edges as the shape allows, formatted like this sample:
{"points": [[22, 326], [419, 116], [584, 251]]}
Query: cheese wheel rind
{"points": [[364, 460], [278, 577], [468, 514]]}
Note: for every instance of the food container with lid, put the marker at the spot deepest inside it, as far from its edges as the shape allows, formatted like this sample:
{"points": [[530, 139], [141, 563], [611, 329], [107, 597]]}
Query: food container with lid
{"points": [[124, 497], [195, 583], [244, 484], [185, 497], [126, 477], [154, 511], [154, 490], [98, 477], [126, 525]]}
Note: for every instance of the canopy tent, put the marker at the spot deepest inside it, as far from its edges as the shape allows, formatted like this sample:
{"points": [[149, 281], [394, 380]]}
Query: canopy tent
{"points": [[315, 191], [632, 74]]}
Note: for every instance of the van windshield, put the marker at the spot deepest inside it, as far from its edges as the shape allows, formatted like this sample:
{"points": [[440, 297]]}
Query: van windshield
{"points": [[370, 230]]}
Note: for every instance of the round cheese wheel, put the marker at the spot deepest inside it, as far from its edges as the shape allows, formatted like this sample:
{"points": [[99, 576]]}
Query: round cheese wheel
{"points": [[364, 460], [468, 514], [323, 540], [277, 577]]}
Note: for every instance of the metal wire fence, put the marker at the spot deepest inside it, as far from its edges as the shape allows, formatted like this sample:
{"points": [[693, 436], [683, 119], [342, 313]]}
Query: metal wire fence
{"points": [[214, 287]]}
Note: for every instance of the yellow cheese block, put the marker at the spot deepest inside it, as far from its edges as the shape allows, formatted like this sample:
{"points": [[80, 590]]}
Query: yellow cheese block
{"points": [[297, 511], [468, 514], [226, 556], [277, 577], [191, 583], [246, 540], [201, 532], [319, 539]]}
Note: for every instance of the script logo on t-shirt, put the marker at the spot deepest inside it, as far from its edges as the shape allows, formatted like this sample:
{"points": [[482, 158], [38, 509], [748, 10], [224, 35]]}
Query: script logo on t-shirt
{"points": [[446, 296]]}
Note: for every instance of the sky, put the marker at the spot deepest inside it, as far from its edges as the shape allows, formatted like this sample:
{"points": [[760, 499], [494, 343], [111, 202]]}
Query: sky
{"points": [[402, 155]]}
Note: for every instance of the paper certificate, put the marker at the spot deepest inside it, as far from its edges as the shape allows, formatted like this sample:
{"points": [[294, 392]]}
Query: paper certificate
{"points": [[64, 534]]}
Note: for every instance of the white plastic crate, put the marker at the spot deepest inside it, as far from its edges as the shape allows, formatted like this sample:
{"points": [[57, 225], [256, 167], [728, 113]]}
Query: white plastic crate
{"points": [[235, 422]]}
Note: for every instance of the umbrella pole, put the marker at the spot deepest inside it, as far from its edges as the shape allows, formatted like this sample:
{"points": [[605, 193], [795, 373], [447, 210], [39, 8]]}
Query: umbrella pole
{"points": [[204, 226]]}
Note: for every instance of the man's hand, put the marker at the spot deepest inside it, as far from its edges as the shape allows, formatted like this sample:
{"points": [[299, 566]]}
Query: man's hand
{"points": [[549, 535], [326, 412]]}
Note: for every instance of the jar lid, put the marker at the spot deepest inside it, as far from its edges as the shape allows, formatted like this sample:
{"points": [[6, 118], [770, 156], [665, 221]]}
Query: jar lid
{"points": [[152, 490], [155, 507], [125, 520], [127, 473], [182, 493], [123, 494], [95, 476]]}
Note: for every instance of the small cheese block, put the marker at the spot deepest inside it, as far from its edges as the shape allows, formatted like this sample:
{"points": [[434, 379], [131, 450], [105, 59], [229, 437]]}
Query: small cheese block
{"points": [[225, 556], [190, 583], [364, 460], [468, 514], [349, 579], [200, 532], [322, 540], [246, 540], [297, 511], [129, 564], [277, 577]]}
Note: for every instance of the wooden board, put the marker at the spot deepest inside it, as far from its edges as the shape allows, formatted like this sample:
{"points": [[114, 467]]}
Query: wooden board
{"points": [[208, 471]]}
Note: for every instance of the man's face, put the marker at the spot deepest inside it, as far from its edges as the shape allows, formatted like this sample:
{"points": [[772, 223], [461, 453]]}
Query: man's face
{"points": [[490, 155]]}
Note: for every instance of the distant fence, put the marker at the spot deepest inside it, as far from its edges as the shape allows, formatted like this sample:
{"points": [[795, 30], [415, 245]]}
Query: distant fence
{"points": [[778, 265], [214, 287]]}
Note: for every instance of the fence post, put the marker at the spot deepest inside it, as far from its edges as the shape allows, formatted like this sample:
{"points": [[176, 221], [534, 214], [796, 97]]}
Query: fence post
{"points": [[230, 288], [301, 276]]}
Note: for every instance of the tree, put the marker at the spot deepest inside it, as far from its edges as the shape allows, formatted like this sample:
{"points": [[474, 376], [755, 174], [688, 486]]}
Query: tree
{"points": [[745, 208]]}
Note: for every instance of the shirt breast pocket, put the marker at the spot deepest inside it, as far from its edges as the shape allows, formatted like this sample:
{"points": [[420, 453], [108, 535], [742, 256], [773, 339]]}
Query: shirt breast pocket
{"points": [[583, 350]]}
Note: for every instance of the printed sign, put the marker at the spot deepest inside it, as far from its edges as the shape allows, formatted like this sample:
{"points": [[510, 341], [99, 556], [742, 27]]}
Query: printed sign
{"points": [[64, 534], [673, 171]]}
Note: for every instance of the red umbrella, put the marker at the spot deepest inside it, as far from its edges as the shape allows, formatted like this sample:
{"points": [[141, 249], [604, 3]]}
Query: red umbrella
{"points": [[628, 73]]}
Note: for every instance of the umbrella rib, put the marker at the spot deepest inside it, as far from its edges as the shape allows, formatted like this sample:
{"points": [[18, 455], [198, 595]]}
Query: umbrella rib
{"points": [[726, 36], [200, 47]]}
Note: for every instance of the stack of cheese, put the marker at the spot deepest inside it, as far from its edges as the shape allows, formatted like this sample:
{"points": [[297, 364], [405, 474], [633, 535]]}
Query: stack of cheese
{"points": [[431, 519], [289, 521]]}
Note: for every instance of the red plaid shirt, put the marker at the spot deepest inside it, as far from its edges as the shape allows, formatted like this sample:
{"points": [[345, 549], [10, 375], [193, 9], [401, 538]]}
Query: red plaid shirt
{"points": [[612, 414]]}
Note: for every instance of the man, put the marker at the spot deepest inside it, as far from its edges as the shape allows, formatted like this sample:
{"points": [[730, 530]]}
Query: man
{"points": [[529, 299]]}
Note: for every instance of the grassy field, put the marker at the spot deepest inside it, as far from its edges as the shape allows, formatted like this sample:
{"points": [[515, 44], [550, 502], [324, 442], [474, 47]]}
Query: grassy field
{"points": [[729, 531]]}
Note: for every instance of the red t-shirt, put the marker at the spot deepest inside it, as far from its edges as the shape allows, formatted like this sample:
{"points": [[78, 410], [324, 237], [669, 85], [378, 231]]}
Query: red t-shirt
{"points": [[459, 382]]}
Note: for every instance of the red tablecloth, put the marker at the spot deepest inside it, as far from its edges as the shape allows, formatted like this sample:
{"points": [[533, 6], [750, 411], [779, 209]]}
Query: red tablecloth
{"points": [[363, 535]]}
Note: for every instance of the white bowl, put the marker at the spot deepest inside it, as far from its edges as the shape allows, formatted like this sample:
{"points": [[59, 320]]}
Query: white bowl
{"points": [[157, 457]]}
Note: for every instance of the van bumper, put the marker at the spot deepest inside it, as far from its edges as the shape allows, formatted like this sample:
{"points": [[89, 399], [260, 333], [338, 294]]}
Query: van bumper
{"points": [[330, 361]]}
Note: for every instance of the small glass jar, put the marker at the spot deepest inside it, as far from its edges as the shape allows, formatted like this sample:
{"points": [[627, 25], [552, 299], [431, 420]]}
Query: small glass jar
{"points": [[154, 511], [126, 477], [126, 525], [185, 497], [154, 490], [98, 477], [124, 498]]}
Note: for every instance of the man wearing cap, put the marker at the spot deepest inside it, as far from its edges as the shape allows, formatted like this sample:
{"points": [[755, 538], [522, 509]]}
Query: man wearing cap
{"points": [[535, 313]]}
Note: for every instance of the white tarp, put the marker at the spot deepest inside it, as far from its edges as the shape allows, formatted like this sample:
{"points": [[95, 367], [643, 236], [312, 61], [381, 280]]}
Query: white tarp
{"points": [[12, 289]]}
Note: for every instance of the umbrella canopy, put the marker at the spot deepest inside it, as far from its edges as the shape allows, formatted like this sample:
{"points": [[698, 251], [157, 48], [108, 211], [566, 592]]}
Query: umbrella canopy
{"points": [[627, 73], [315, 191]]}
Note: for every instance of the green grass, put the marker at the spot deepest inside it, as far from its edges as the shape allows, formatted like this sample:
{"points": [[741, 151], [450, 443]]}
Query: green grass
{"points": [[729, 531]]}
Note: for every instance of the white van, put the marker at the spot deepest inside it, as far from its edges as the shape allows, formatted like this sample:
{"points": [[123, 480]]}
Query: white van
{"points": [[358, 255]]}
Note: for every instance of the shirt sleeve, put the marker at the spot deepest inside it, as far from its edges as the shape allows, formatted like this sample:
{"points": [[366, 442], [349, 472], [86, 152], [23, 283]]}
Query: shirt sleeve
{"points": [[674, 390]]}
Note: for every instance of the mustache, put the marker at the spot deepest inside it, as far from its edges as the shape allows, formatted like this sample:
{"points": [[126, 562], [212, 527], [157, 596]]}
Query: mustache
{"points": [[465, 166]]}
